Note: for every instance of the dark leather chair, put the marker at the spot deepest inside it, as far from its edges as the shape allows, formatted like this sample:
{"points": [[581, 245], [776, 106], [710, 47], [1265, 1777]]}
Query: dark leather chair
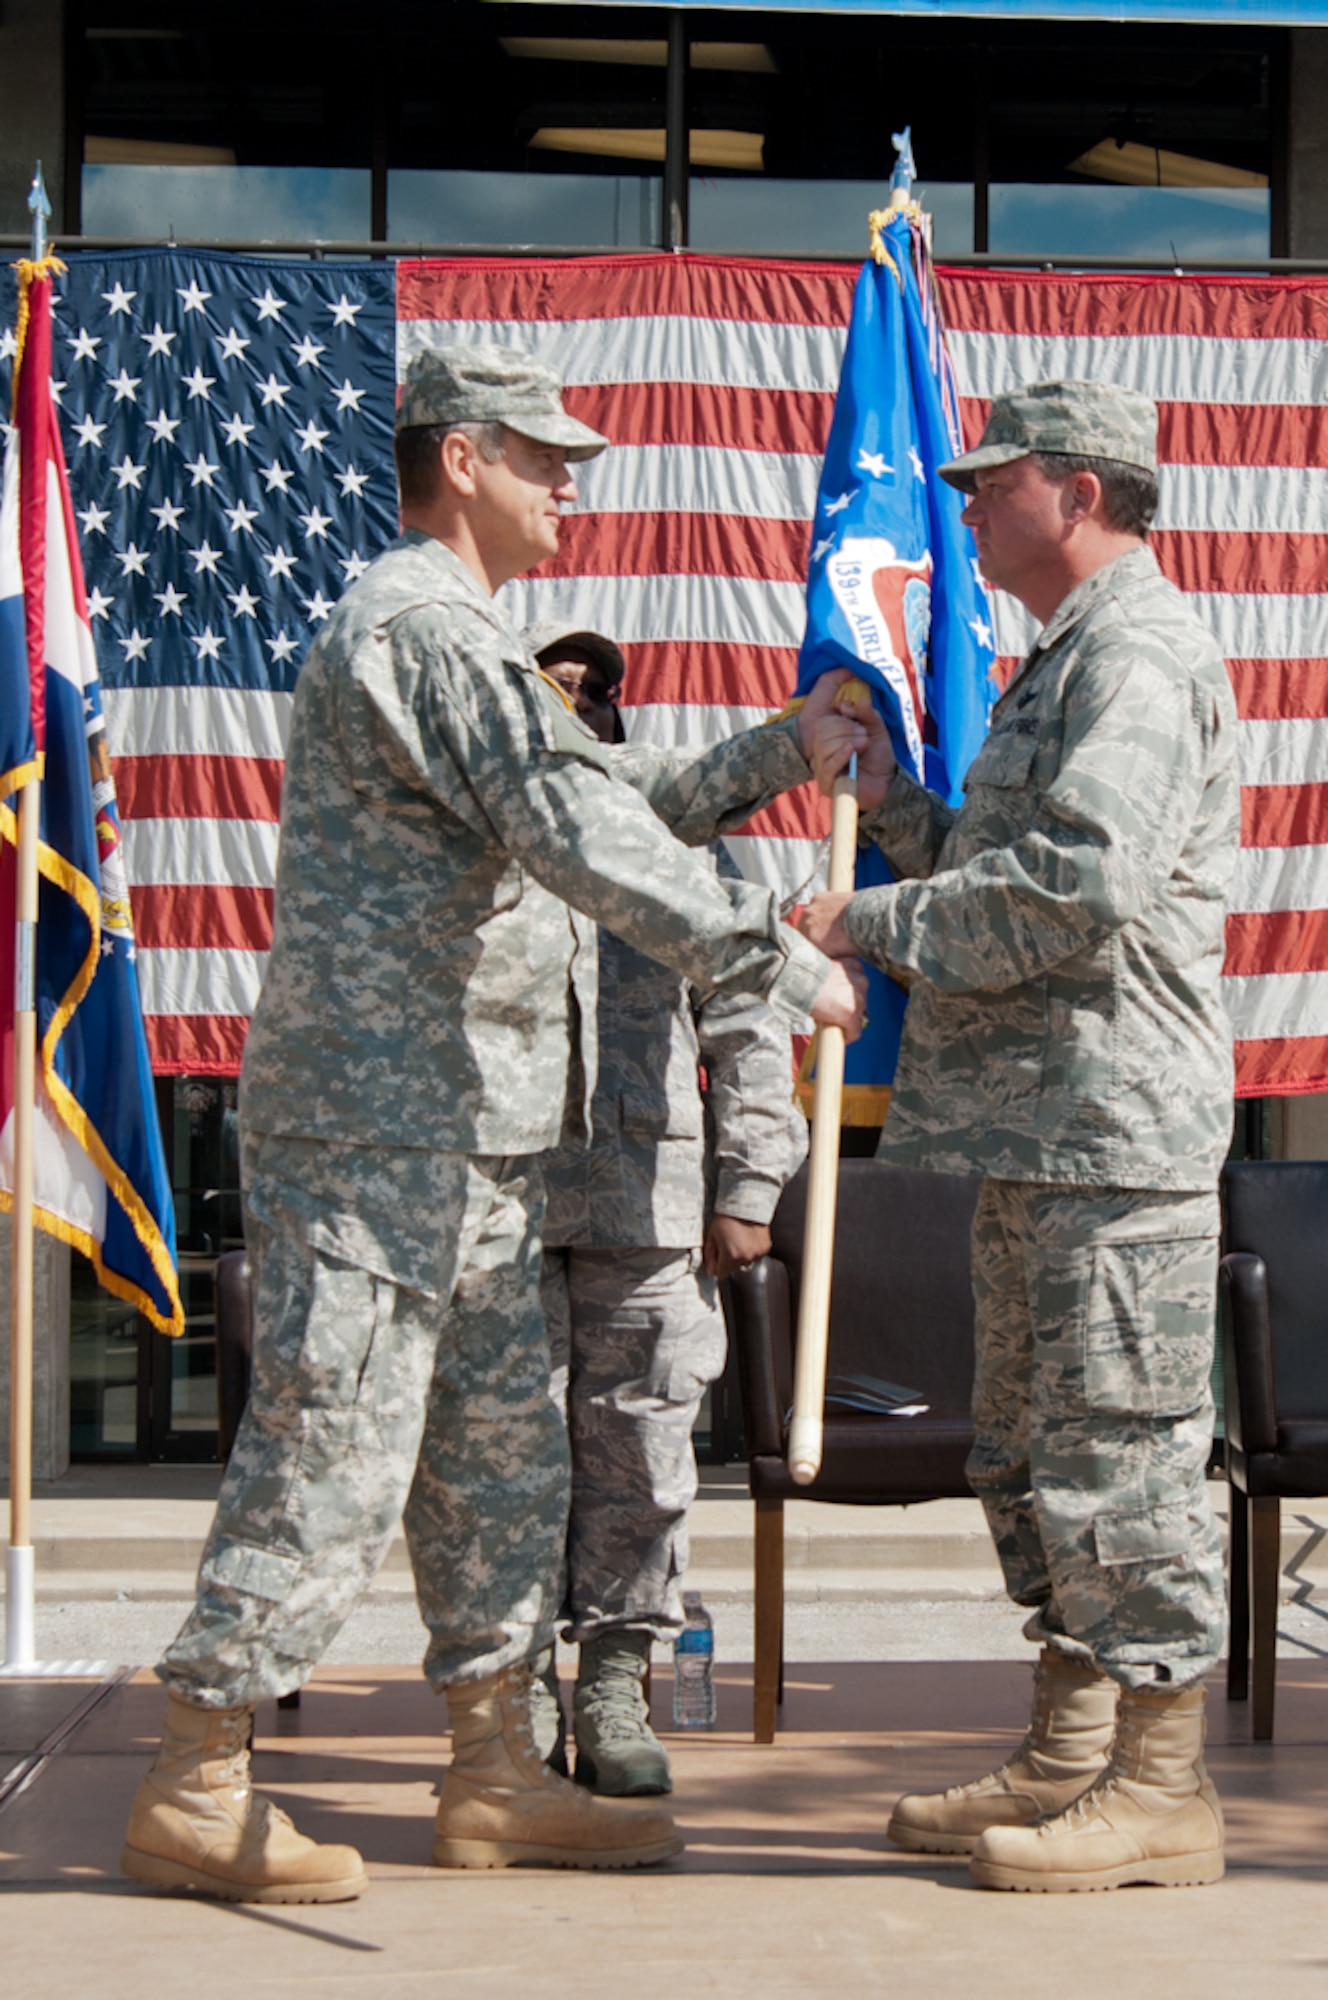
{"points": [[902, 1309], [233, 1318], [1274, 1279]]}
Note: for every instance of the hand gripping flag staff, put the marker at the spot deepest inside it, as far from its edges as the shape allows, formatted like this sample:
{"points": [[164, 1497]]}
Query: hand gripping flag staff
{"points": [[893, 593], [80, 1148]]}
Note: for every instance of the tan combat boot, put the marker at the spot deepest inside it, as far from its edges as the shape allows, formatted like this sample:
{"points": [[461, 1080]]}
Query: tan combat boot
{"points": [[1153, 1816], [197, 1822], [1066, 1748], [500, 1804]]}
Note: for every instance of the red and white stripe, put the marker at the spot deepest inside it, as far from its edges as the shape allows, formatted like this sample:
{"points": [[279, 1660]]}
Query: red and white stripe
{"points": [[716, 378]]}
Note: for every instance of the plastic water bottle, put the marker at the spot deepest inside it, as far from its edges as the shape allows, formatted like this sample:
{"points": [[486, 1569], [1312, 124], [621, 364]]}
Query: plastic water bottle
{"points": [[694, 1667]]}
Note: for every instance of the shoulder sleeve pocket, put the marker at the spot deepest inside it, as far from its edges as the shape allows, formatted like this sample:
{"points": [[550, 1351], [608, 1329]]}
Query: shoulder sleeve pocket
{"points": [[1005, 759]]}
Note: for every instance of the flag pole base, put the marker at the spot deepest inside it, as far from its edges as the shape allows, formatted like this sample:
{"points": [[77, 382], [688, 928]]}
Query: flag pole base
{"points": [[20, 1607]]}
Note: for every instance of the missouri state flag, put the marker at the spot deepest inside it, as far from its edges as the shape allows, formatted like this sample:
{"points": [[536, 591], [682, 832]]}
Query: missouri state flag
{"points": [[99, 1174], [893, 589]]}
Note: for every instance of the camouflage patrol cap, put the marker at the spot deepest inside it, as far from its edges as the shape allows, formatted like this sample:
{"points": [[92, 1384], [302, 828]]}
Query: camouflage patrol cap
{"points": [[1072, 419], [542, 638], [493, 385]]}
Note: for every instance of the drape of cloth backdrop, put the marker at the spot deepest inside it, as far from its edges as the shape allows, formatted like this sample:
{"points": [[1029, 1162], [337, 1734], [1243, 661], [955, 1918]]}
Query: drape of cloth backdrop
{"points": [[227, 422], [99, 1174]]}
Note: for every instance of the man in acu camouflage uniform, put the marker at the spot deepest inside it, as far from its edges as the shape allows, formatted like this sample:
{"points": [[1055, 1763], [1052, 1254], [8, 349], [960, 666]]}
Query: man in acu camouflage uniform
{"points": [[630, 1288], [1062, 935], [427, 1020]]}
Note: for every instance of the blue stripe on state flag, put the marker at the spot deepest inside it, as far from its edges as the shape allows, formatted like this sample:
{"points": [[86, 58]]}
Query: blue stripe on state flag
{"points": [[893, 590]]}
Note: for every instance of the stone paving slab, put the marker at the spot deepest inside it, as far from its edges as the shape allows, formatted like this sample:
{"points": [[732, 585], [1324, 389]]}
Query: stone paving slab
{"points": [[786, 1888]]}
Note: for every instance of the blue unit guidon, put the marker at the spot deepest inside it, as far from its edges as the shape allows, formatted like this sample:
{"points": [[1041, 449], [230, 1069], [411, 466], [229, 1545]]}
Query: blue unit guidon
{"points": [[98, 1172]]}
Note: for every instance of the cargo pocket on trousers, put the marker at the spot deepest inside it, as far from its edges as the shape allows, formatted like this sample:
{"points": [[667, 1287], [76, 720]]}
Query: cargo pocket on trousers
{"points": [[251, 1571], [1145, 1535], [1149, 1327]]}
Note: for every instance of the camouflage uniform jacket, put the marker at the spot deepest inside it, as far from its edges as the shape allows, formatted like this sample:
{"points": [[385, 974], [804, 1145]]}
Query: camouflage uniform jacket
{"points": [[441, 808], [641, 1183], [1063, 932]]}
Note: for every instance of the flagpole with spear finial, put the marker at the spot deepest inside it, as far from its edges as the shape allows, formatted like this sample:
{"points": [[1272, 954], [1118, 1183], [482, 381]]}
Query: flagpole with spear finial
{"points": [[806, 1434], [20, 1619]]}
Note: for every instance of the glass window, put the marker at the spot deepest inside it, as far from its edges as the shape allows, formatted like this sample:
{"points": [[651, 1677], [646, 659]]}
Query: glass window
{"points": [[105, 1339], [461, 206], [237, 203], [1189, 225], [814, 218]]}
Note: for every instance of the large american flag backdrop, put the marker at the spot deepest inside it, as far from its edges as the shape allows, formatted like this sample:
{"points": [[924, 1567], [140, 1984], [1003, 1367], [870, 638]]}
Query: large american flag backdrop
{"points": [[227, 422]]}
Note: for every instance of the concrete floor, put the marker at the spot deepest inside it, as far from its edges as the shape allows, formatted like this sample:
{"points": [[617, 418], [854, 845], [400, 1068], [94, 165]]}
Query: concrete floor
{"points": [[786, 1888]]}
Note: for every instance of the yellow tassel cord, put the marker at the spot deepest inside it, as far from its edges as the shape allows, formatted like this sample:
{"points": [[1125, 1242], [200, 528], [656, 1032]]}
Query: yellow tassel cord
{"points": [[29, 271]]}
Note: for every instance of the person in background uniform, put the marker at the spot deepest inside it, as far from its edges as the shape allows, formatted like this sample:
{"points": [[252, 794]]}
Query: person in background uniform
{"points": [[426, 1029], [630, 1287], [1065, 1038]]}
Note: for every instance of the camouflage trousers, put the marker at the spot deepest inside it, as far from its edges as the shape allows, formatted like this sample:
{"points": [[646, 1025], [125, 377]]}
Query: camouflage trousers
{"points": [[635, 1336], [1095, 1335], [368, 1395]]}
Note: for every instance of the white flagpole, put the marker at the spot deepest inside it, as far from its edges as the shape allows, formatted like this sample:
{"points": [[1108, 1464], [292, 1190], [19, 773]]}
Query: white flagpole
{"points": [[20, 1581]]}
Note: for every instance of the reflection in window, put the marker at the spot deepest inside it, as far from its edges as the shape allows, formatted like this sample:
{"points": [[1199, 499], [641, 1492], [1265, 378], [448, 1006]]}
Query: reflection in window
{"points": [[595, 210], [1193, 225], [820, 218], [284, 204]]}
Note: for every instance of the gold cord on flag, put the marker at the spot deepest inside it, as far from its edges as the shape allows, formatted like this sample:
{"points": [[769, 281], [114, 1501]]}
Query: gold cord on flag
{"points": [[29, 270]]}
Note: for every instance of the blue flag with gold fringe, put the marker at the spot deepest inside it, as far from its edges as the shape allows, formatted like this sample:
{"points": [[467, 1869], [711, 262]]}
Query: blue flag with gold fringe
{"points": [[894, 592]]}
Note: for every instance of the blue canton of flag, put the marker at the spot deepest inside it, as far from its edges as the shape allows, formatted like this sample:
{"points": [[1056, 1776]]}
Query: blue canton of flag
{"points": [[894, 591], [227, 423]]}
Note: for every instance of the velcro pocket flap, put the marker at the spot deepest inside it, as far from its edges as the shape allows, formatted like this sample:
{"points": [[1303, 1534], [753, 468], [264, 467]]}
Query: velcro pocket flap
{"points": [[253, 1571], [1006, 758], [1146, 1534]]}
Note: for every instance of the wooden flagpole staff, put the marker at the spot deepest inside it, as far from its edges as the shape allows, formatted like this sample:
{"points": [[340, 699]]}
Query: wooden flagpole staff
{"points": [[807, 1425]]}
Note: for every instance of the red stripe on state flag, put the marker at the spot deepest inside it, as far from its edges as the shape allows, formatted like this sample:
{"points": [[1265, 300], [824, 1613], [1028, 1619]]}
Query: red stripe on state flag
{"points": [[196, 1044], [202, 916], [191, 787]]}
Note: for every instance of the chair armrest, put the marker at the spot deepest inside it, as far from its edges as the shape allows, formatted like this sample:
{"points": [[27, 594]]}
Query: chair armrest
{"points": [[1250, 1391], [764, 1342]]}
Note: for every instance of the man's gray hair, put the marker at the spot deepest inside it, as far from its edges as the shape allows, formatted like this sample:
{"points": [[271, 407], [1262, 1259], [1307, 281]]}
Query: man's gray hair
{"points": [[416, 449], [1129, 492]]}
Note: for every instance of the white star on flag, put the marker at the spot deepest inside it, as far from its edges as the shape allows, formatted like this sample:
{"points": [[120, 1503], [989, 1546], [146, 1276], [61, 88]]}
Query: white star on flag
{"points": [[241, 517], [232, 345], [279, 563], [354, 565], [99, 604], [163, 428], [168, 515], [88, 431], [133, 560], [192, 296], [282, 646], [236, 431], [208, 642], [205, 557], [307, 351], [349, 398], [127, 473], [118, 299], [125, 384], [311, 438], [276, 476], [170, 600], [270, 306], [981, 631], [84, 344], [874, 463], [158, 341], [273, 391], [351, 482], [202, 470], [316, 525], [135, 646], [915, 460], [198, 384], [243, 602], [94, 519], [343, 312], [837, 506], [823, 548], [318, 607]]}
